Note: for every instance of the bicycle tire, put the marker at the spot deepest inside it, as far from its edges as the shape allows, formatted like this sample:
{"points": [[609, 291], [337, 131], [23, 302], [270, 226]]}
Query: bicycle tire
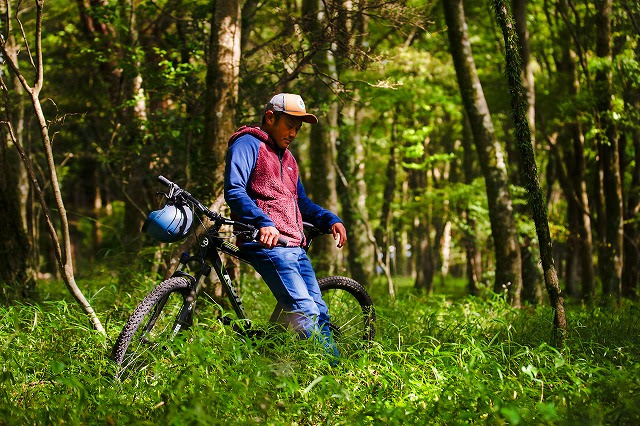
{"points": [[161, 308], [351, 311]]}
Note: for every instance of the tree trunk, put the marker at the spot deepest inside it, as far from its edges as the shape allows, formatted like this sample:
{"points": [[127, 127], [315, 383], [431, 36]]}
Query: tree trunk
{"points": [[322, 144], [352, 191], [507, 250], [528, 169], [352, 188], [519, 8], [474, 262], [576, 178], [384, 231], [608, 156], [425, 262], [580, 282], [631, 267], [531, 276], [17, 280], [221, 96]]}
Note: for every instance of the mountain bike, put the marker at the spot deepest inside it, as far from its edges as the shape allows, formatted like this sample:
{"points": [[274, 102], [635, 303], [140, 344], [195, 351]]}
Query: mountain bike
{"points": [[170, 307]]}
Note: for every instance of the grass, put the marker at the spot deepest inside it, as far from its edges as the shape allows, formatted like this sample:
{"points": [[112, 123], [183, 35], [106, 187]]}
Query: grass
{"points": [[436, 360]]}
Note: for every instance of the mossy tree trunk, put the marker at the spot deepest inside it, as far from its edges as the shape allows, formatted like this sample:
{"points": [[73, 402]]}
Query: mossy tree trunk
{"points": [[528, 168]]}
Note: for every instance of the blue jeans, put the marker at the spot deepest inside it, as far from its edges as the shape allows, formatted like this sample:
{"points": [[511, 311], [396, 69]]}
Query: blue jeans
{"points": [[290, 277]]}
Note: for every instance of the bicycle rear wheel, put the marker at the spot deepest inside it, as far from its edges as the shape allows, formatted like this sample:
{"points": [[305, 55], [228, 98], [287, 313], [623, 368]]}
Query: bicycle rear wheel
{"points": [[153, 325], [351, 312]]}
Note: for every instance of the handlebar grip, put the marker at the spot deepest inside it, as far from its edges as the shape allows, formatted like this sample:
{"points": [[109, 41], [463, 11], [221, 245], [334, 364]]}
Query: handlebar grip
{"points": [[164, 180]]}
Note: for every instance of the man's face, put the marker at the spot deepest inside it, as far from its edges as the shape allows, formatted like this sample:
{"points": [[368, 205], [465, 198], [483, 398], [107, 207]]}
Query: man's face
{"points": [[284, 130]]}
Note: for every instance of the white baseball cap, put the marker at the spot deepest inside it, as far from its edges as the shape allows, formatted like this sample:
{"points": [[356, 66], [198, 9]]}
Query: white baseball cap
{"points": [[291, 104]]}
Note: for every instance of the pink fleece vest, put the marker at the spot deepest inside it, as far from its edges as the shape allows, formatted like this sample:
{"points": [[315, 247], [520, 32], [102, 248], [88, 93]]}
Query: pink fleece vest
{"points": [[274, 185]]}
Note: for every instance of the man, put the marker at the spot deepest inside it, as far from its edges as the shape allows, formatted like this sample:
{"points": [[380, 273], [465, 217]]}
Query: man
{"points": [[263, 188]]}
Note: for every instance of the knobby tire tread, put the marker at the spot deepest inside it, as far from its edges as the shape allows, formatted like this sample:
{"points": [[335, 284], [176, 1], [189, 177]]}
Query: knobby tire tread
{"points": [[179, 284], [355, 289]]}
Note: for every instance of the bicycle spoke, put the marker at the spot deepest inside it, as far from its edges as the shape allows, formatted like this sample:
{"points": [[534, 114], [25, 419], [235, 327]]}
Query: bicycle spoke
{"points": [[157, 331]]}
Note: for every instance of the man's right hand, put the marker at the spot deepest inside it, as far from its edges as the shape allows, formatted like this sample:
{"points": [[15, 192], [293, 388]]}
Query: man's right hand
{"points": [[269, 237]]}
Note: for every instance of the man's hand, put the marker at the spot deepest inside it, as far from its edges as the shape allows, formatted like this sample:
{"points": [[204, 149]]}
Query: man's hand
{"points": [[339, 234], [269, 237]]}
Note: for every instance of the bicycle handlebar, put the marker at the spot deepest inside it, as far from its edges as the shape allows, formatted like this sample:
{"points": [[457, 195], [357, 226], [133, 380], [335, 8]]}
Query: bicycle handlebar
{"points": [[176, 191]]}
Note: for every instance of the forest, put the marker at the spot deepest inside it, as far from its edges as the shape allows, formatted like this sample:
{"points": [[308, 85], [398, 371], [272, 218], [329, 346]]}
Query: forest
{"points": [[484, 157]]}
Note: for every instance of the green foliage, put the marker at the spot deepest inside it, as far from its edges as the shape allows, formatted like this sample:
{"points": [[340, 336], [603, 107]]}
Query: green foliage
{"points": [[468, 360]]}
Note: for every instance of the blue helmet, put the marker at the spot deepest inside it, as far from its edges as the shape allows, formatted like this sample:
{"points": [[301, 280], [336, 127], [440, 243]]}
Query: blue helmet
{"points": [[170, 224]]}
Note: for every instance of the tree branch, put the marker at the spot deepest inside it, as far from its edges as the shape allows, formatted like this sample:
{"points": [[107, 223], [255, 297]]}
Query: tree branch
{"points": [[39, 66], [14, 66]]}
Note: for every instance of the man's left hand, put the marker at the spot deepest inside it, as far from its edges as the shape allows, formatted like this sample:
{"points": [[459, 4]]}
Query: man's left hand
{"points": [[339, 234]]}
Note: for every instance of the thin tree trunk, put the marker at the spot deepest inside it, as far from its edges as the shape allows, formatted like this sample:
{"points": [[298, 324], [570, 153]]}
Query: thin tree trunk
{"points": [[425, 262], [474, 262], [609, 160], [528, 169], [352, 188], [383, 233], [17, 280], [577, 182], [505, 237], [352, 191], [322, 145], [631, 268], [519, 8], [221, 96], [63, 253]]}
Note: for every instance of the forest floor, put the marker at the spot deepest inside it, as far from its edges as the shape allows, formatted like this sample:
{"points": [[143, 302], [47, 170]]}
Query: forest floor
{"points": [[438, 359]]}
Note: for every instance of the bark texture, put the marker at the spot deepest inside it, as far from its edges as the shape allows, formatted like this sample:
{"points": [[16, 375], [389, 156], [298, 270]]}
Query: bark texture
{"points": [[575, 187], [351, 186], [322, 145], [17, 281], [609, 159], [221, 97], [474, 261], [528, 169], [490, 153]]}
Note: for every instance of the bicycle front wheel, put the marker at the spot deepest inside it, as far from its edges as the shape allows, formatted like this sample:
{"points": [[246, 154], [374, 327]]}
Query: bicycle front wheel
{"points": [[153, 325], [351, 312]]}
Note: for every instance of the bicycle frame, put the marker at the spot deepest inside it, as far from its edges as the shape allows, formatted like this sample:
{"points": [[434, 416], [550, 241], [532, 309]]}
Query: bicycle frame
{"points": [[207, 257], [208, 253]]}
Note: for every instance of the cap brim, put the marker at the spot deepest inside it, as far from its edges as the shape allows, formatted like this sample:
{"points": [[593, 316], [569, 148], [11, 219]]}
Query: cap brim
{"points": [[306, 117]]}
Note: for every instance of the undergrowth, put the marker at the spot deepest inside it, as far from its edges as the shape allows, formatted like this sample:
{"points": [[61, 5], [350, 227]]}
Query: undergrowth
{"points": [[435, 360]]}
